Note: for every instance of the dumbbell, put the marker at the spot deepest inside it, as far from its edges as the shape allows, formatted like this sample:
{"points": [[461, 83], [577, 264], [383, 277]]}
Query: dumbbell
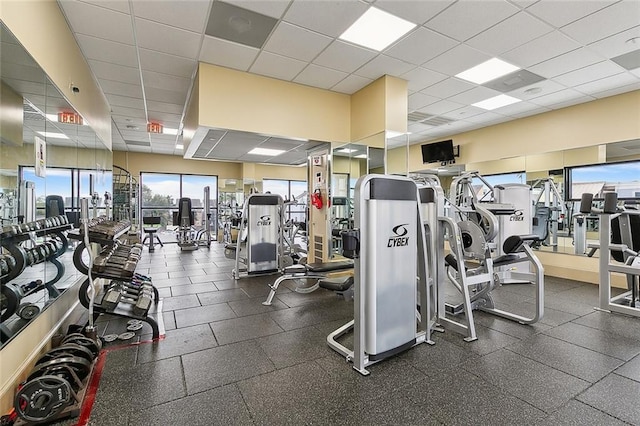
{"points": [[9, 259], [117, 294], [28, 311]]}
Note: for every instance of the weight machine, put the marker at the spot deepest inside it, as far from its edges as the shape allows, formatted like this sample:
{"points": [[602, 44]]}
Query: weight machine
{"points": [[549, 211], [385, 247], [259, 246], [470, 266], [619, 239]]}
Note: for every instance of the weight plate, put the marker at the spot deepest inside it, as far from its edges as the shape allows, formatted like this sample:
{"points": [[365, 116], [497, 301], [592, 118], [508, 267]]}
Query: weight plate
{"points": [[68, 349], [28, 311], [110, 337], [134, 327], [42, 399], [134, 321], [126, 336], [82, 340], [9, 300], [80, 366]]}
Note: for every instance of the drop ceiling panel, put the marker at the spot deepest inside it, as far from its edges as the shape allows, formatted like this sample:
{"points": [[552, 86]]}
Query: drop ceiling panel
{"points": [[514, 81], [344, 57], [189, 15], [485, 117], [115, 72], [557, 97], [617, 44], [164, 107], [384, 65], [449, 87], [418, 100], [124, 120], [629, 61], [167, 64], [464, 112], [562, 64], [288, 143], [166, 82], [467, 18], [607, 83], [440, 107], [14, 54], [168, 96], [351, 84], [589, 73], [317, 76], [406, 9], [227, 54], [331, 18], [125, 101], [122, 89], [277, 66], [107, 51], [540, 49], [164, 117], [420, 78], [418, 127], [546, 87], [474, 95], [98, 22], [617, 90], [117, 5], [25, 74], [295, 42], [517, 108], [520, 27], [273, 8], [420, 46], [456, 60], [610, 20], [559, 14], [163, 38], [128, 112]]}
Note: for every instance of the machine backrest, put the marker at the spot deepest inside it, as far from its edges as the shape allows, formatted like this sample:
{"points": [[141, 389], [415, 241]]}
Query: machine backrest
{"points": [[185, 214], [54, 206], [541, 222]]}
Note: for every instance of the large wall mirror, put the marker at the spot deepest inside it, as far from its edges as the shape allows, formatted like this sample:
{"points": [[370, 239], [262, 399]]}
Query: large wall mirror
{"points": [[50, 158]]}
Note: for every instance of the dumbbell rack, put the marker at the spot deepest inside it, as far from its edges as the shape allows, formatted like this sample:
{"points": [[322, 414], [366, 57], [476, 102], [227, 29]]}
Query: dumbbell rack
{"points": [[19, 257], [153, 317]]}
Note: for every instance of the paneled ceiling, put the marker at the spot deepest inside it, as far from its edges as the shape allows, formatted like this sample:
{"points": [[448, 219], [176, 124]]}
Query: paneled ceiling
{"points": [[144, 54]]}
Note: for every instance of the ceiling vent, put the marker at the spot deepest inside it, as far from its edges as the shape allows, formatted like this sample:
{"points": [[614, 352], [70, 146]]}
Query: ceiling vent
{"points": [[630, 60], [239, 25], [138, 143], [417, 116], [438, 121], [514, 81]]}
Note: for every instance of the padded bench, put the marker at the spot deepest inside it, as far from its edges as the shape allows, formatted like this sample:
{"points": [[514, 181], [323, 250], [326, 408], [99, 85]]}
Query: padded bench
{"points": [[317, 271]]}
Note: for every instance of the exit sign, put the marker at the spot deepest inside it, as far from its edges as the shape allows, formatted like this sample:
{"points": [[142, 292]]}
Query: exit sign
{"points": [[69, 118], [154, 128]]}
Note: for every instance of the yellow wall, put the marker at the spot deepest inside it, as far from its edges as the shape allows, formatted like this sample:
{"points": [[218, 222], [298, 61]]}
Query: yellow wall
{"points": [[602, 121], [241, 101], [267, 171], [136, 162], [42, 29], [380, 106], [11, 117]]}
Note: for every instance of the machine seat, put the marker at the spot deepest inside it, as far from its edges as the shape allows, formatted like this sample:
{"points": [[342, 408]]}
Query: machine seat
{"points": [[339, 284], [329, 266]]}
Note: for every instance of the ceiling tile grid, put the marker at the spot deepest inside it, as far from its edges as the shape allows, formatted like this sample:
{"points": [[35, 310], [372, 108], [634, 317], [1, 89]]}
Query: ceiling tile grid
{"points": [[144, 54]]}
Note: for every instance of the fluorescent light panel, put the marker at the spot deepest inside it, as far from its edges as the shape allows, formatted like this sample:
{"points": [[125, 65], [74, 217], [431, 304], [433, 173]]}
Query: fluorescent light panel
{"points": [[266, 151], [377, 29], [361, 156], [487, 71], [169, 131], [53, 135], [347, 150], [496, 102], [180, 146]]}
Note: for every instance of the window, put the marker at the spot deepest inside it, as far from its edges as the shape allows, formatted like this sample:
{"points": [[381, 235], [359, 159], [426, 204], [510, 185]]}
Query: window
{"points": [[623, 178], [290, 190], [160, 195], [482, 191]]}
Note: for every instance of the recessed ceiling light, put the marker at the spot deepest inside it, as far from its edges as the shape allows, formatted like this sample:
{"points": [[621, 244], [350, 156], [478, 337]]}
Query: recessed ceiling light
{"points": [[179, 146], [346, 150], [377, 29], [496, 102], [53, 135], [266, 151], [361, 156], [169, 131], [487, 71]]}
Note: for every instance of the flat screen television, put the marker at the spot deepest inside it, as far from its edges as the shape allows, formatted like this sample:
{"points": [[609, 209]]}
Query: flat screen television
{"points": [[438, 152]]}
